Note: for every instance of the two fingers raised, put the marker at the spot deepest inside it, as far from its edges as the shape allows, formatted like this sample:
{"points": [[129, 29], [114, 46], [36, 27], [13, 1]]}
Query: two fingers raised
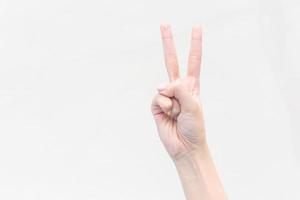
{"points": [[170, 55], [176, 96]]}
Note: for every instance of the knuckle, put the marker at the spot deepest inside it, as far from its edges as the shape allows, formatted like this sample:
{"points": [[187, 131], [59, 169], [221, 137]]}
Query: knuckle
{"points": [[195, 57]]}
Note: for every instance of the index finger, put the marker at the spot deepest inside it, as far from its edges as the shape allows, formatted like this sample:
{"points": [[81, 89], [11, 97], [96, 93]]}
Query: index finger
{"points": [[169, 52], [194, 61]]}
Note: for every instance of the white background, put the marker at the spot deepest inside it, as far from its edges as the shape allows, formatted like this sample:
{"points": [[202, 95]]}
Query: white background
{"points": [[77, 79]]}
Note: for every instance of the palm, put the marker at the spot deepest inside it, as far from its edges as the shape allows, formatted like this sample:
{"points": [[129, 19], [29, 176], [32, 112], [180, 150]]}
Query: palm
{"points": [[180, 126]]}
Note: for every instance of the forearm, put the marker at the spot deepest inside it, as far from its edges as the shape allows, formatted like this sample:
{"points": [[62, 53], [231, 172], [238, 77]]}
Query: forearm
{"points": [[199, 176], [177, 112]]}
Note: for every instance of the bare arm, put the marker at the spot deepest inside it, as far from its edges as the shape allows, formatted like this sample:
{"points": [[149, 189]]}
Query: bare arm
{"points": [[199, 176], [178, 114]]}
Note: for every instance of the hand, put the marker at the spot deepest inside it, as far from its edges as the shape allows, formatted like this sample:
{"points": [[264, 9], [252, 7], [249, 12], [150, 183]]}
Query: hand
{"points": [[176, 108]]}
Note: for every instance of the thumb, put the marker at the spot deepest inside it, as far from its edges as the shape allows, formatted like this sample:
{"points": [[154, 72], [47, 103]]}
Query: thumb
{"points": [[182, 91]]}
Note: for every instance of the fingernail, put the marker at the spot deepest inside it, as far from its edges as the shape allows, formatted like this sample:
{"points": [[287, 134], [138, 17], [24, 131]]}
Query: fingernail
{"points": [[161, 87], [197, 27], [164, 26]]}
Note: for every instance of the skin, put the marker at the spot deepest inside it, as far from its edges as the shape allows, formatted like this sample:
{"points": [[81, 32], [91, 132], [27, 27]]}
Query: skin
{"points": [[178, 114]]}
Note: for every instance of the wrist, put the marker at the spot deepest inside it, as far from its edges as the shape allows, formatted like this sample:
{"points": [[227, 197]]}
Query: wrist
{"points": [[198, 175], [199, 152]]}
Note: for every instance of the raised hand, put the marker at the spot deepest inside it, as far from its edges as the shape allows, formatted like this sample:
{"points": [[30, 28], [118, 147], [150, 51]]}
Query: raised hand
{"points": [[176, 108]]}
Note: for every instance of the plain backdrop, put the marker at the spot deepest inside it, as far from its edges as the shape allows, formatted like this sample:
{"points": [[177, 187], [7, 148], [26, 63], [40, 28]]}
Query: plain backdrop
{"points": [[77, 79]]}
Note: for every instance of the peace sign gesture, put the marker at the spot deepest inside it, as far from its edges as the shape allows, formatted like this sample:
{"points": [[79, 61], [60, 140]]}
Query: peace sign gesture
{"points": [[176, 108]]}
